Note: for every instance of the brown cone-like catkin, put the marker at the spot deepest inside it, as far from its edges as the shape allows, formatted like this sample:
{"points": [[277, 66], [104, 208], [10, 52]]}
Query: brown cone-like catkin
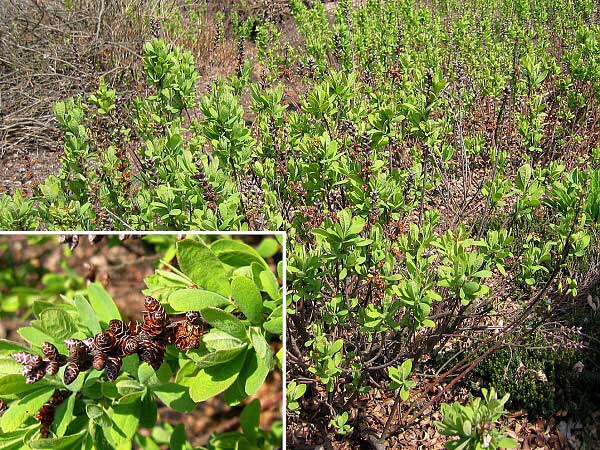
{"points": [[189, 332], [50, 351], [151, 352], [155, 317], [113, 367], [52, 368], [71, 372], [46, 413], [105, 342], [99, 362]]}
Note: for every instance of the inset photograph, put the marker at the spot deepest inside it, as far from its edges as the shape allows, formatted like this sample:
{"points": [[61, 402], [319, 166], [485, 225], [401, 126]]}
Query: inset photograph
{"points": [[158, 341]]}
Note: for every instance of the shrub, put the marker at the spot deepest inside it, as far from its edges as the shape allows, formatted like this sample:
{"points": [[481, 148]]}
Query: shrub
{"points": [[474, 424]]}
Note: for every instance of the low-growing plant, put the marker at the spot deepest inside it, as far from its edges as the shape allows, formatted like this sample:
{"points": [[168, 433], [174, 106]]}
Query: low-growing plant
{"points": [[340, 424], [475, 423], [294, 392]]}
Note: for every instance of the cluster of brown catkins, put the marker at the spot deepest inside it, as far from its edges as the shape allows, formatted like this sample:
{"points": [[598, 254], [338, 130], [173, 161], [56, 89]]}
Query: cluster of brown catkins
{"points": [[46, 413], [106, 350], [35, 367]]}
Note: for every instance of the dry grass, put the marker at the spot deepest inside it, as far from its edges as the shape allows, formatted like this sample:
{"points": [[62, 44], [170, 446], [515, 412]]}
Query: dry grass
{"points": [[55, 49]]}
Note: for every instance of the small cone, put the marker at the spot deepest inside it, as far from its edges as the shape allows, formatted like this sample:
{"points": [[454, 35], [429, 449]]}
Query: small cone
{"points": [[71, 372], [98, 362], [113, 367]]}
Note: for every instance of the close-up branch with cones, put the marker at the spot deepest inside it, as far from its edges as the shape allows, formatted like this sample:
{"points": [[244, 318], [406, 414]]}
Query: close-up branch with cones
{"points": [[106, 350], [191, 359]]}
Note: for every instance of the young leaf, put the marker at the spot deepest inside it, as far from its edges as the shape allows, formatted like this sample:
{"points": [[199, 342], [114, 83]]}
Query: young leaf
{"points": [[248, 299], [184, 300], [225, 321], [213, 380], [203, 267], [25, 407], [103, 304]]}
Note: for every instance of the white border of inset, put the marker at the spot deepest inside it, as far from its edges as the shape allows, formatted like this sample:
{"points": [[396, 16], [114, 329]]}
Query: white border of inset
{"points": [[211, 233]]}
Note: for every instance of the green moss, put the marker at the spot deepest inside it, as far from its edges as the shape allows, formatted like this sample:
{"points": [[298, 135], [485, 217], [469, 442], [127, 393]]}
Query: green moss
{"points": [[541, 380]]}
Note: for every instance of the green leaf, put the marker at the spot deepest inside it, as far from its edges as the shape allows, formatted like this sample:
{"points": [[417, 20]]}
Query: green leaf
{"points": [[103, 304], [236, 253], [56, 323], [150, 377], [175, 397], [149, 413], [66, 442], [63, 416], [14, 440], [268, 247], [15, 384], [224, 321], [37, 337], [234, 395], [213, 380], [217, 340], [11, 347], [255, 372], [249, 420], [178, 438], [98, 415], [215, 358], [87, 315], [274, 326], [404, 394], [184, 300], [259, 343], [507, 443], [248, 299], [146, 373], [406, 368], [203, 267], [467, 428], [269, 284], [25, 407], [126, 418]]}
